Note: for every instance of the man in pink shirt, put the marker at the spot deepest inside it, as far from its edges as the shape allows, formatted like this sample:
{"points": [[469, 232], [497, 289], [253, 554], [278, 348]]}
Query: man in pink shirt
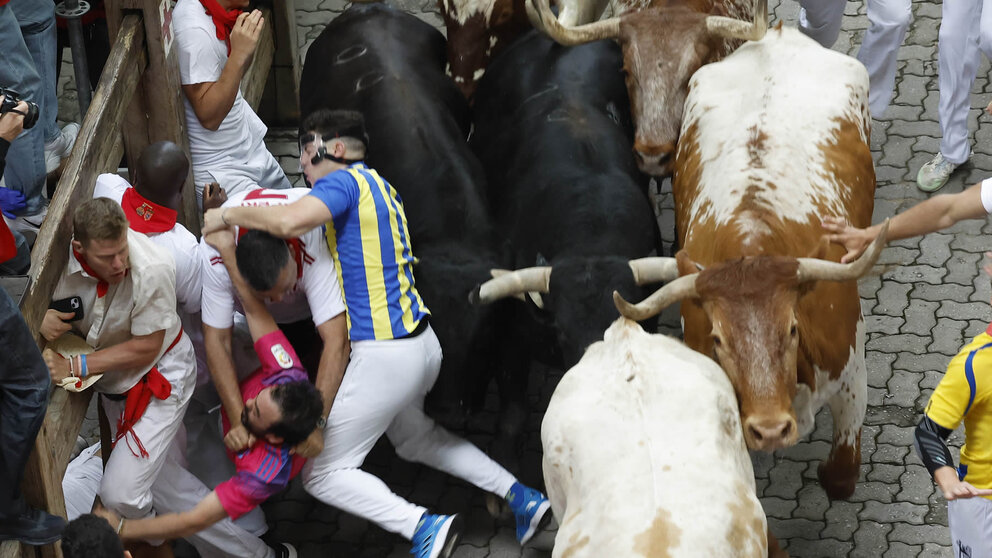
{"points": [[281, 409]]}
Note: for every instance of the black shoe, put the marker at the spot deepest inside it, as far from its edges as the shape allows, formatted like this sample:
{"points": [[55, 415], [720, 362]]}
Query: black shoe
{"points": [[33, 527]]}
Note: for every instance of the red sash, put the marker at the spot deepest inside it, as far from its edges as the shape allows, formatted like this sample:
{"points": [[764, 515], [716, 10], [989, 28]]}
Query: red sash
{"points": [[8, 246], [223, 20], [136, 403]]}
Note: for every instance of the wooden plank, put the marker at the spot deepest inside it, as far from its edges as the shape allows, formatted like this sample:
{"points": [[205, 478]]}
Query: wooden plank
{"points": [[98, 149], [10, 549], [253, 82]]}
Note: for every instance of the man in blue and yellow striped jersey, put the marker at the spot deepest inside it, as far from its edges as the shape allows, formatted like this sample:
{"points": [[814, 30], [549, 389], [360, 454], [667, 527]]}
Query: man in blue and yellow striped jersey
{"points": [[395, 356]]}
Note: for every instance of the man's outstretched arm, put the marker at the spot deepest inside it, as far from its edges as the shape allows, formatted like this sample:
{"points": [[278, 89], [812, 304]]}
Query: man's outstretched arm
{"points": [[934, 214], [282, 221]]}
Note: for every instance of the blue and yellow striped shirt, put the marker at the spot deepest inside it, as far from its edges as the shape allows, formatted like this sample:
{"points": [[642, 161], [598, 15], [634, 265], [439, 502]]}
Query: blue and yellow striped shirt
{"points": [[370, 242]]}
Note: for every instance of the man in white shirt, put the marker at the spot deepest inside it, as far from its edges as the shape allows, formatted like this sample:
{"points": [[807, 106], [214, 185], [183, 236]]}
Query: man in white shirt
{"points": [[299, 283], [127, 288], [216, 43]]}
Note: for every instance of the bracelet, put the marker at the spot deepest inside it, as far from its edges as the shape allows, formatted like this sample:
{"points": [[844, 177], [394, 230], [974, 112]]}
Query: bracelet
{"points": [[72, 372], [120, 525], [84, 369], [223, 217]]}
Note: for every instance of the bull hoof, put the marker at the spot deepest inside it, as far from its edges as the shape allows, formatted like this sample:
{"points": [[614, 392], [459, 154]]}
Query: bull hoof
{"points": [[837, 487]]}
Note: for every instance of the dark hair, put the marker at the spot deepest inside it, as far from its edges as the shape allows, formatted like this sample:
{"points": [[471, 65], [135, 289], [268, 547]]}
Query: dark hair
{"points": [[343, 124], [301, 406], [261, 257], [90, 536]]}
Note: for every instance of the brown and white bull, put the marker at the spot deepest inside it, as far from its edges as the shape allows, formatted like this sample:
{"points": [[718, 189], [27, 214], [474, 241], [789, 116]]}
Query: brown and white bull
{"points": [[664, 42], [643, 455], [774, 138]]}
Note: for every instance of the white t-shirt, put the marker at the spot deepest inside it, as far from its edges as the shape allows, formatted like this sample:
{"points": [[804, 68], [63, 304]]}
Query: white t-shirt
{"points": [[202, 57], [987, 195], [185, 250], [143, 303], [315, 294]]}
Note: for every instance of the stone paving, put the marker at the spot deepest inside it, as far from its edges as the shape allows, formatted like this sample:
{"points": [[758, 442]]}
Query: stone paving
{"points": [[923, 301]]}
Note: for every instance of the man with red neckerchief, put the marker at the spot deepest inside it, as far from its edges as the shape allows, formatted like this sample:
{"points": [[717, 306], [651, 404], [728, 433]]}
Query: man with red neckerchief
{"points": [[216, 42]]}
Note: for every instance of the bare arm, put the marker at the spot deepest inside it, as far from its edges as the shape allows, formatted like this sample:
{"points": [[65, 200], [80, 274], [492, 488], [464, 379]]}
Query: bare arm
{"points": [[169, 526], [225, 377], [212, 100], [934, 214], [282, 221], [260, 321], [333, 359], [135, 353]]}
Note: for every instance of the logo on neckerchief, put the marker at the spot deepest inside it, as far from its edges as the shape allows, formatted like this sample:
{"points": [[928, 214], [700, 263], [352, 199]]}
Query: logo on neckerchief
{"points": [[145, 211]]}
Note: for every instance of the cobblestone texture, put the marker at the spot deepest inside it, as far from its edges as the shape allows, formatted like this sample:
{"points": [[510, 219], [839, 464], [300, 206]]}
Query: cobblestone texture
{"points": [[923, 301]]}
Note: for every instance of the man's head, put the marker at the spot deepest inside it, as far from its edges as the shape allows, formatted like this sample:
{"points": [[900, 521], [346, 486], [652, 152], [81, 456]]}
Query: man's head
{"points": [[90, 536], [99, 234], [285, 413], [266, 264], [162, 170], [331, 139]]}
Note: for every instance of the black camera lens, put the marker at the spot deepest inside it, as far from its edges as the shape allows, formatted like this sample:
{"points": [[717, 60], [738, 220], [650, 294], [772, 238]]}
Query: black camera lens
{"points": [[11, 99]]}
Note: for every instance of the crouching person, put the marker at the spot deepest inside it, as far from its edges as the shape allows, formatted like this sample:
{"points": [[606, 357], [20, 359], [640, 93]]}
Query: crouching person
{"points": [[281, 409]]}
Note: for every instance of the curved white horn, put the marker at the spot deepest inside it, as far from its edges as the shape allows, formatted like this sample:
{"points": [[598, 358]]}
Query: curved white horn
{"points": [[540, 15], [731, 28], [679, 289], [814, 269], [654, 270], [531, 279]]}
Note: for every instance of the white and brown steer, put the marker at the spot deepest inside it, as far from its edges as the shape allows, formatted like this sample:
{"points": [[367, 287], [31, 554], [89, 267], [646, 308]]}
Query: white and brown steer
{"points": [[643, 455], [774, 138]]}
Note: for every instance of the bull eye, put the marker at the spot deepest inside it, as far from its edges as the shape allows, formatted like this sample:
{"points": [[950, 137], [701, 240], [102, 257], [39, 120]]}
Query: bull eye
{"points": [[717, 342], [793, 331]]}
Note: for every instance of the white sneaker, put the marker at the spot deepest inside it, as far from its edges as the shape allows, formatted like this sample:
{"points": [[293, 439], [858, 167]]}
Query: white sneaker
{"points": [[60, 147], [934, 175]]}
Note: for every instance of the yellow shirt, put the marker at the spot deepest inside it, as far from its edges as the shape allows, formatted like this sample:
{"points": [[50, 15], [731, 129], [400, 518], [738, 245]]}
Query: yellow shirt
{"points": [[965, 394]]}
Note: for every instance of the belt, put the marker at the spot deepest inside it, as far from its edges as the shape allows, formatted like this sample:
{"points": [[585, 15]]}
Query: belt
{"points": [[421, 327]]}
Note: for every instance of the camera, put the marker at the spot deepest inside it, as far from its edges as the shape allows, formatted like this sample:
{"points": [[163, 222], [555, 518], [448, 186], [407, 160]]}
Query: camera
{"points": [[11, 99]]}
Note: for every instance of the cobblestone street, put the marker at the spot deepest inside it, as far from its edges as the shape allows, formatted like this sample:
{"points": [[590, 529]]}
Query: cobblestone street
{"points": [[923, 301]]}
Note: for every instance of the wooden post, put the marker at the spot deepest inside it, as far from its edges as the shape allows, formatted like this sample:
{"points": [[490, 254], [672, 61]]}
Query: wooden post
{"points": [[157, 112], [98, 149]]}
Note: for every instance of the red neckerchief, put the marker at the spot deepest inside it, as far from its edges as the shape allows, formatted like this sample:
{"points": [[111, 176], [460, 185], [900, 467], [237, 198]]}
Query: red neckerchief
{"points": [[8, 246], [146, 216], [101, 285], [296, 247], [223, 20], [138, 397]]}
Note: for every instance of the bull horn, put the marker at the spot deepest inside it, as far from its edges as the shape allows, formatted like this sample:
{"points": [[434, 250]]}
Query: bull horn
{"points": [[654, 270], [531, 279], [731, 28], [543, 19], [682, 288], [815, 269]]}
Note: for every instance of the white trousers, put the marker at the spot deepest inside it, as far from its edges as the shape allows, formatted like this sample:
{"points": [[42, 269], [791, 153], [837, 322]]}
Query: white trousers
{"points": [[965, 33], [383, 392], [261, 170], [971, 527], [888, 22]]}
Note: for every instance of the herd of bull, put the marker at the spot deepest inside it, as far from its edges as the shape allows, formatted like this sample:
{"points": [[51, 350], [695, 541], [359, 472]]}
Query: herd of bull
{"points": [[535, 231]]}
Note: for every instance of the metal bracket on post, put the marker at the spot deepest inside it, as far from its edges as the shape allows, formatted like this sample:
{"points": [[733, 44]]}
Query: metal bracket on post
{"points": [[71, 11]]}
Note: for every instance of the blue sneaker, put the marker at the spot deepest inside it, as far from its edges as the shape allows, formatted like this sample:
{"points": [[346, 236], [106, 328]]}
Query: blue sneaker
{"points": [[530, 508], [436, 536]]}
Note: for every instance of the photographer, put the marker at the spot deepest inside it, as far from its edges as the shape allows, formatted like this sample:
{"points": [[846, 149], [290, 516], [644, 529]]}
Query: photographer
{"points": [[15, 255], [23, 394]]}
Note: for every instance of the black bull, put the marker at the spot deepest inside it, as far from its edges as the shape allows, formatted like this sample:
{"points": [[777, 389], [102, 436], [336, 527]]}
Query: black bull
{"points": [[389, 66], [552, 128]]}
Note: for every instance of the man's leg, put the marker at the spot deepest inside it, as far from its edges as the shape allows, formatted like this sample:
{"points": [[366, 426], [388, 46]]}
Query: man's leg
{"points": [[24, 385], [37, 21], [418, 438], [270, 173], [957, 57], [970, 521], [821, 20], [128, 478], [25, 170], [888, 22], [375, 388]]}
